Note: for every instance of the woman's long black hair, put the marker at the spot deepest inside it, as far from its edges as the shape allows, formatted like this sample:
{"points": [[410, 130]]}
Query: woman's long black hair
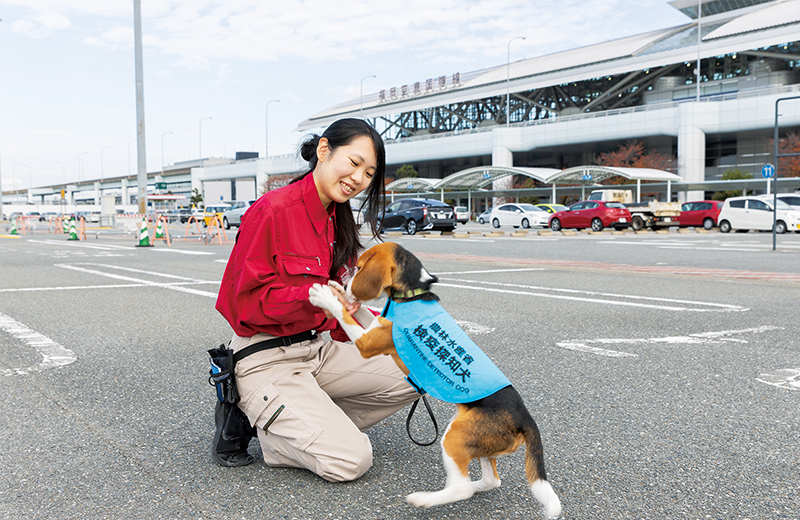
{"points": [[341, 133]]}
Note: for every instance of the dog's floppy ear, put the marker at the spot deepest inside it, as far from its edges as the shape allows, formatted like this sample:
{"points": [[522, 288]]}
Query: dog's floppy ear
{"points": [[371, 279]]}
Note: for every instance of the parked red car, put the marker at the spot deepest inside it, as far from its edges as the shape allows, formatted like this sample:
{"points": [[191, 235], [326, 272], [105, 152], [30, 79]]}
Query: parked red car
{"points": [[700, 213], [592, 214]]}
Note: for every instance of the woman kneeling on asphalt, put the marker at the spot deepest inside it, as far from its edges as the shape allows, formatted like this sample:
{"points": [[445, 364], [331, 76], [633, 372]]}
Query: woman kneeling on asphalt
{"points": [[311, 400]]}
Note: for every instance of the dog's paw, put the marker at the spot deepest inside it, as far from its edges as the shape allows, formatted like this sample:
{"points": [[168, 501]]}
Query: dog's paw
{"points": [[322, 297], [420, 499]]}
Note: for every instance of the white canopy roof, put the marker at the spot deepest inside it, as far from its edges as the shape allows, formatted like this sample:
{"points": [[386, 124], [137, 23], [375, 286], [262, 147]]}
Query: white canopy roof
{"points": [[482, 176]]}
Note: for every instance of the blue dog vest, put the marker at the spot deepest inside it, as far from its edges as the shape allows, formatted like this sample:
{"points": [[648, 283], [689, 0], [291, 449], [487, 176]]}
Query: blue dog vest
{"points": [[442, 360]]}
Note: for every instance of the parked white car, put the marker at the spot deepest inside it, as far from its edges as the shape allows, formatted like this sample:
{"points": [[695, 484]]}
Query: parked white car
{"points": [[792, 199], [462, 214], [756, 212], [525, 215], [233, 215]]}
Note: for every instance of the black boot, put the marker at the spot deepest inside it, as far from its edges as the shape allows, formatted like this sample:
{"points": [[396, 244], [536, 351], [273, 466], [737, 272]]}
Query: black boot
{"points": [[232, 435]]}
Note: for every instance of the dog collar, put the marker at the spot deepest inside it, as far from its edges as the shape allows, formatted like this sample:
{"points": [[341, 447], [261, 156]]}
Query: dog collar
{"points": [[409, 293]]}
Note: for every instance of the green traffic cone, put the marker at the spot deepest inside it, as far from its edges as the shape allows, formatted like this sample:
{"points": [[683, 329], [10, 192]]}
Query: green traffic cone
{"points": [[73, 233], [14, 227], [159, 230], [144, 235]]}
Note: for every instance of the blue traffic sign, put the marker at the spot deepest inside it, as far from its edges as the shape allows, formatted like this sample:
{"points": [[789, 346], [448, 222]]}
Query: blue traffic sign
{"points": [[768, 171]]}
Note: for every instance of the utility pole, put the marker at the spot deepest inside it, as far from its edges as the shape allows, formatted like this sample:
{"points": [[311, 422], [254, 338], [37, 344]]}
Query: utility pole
{"points": [[141, 176]]}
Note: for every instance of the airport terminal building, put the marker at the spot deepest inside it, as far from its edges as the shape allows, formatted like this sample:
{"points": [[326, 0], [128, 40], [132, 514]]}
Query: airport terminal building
{"points": [[561, 110]]}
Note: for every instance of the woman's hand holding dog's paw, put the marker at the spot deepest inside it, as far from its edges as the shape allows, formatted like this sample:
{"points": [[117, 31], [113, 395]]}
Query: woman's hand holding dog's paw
{"points": [[322, 296], [351, 304]]}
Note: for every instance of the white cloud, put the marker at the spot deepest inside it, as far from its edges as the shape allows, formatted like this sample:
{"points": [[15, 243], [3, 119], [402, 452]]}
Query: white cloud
{"points": [[199, 32]]}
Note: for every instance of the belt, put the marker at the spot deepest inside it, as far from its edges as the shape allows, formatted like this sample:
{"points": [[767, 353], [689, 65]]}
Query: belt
{"points": [[283, 341]]}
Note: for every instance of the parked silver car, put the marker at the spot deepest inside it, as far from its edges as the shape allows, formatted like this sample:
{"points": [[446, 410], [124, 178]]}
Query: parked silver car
{"points": [[233, 215]]}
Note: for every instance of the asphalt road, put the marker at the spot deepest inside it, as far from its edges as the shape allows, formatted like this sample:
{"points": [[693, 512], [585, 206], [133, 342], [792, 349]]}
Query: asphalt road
{"points": [[662, 370]]}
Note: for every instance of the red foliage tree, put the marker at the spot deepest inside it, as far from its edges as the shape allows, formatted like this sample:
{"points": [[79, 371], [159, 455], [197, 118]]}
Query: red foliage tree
{"points": [[633, 155], [787, 166]]}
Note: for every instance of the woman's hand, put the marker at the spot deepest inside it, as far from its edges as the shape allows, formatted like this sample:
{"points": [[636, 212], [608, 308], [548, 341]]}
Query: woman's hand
{"points": [[350, 306]]}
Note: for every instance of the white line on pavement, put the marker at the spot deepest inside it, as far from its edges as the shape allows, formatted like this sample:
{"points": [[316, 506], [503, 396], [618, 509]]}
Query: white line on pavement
{"points": [[53, 354], [107, 247], [607, 298], [703, 338], [495, 271], [788, 378], [170, 286]]}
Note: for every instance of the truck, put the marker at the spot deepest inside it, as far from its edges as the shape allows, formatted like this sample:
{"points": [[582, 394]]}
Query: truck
{"points": [[653, 214]]}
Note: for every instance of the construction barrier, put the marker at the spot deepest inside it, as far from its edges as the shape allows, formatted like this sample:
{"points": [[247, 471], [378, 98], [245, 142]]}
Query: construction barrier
{"points": [[162, 231], [20, 226], [56, 226], [188, 226], [216, 224]]}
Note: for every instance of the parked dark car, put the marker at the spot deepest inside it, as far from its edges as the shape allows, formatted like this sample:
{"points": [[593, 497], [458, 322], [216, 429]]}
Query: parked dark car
{"points": [[179, 215], [412, 215]]}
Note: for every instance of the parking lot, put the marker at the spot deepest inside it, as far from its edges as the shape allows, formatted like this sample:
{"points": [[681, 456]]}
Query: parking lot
{"points": [[663, 371]]}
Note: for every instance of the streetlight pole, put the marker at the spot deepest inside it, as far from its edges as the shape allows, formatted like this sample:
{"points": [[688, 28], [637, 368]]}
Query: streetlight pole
{"points": [[102, 166], [699, 41], [508, 75], [129, 156], [17, 181], [141, 155], [266, 126], [64, 191], [162, 150], [80, 166], [1, 182], [200, 136], [361, 106]]}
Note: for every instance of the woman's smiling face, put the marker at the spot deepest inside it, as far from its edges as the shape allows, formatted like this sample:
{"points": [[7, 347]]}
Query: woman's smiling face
{"points": [[343, 173]]}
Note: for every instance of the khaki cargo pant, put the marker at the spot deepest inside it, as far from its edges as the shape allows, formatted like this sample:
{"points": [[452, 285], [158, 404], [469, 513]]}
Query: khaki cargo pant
{"points": [[311, 402]]}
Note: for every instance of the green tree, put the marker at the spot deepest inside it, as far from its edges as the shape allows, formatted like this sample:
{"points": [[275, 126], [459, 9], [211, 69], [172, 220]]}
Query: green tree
{"points": [[196, 198], [731, 175], [523, 184], [406, 171]]}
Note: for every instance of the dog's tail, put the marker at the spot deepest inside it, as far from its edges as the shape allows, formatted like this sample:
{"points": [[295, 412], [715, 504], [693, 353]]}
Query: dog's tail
{"points": [[534, 471]]}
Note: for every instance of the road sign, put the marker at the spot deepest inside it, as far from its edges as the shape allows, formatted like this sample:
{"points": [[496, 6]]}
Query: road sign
{"points": [[768, 171]]}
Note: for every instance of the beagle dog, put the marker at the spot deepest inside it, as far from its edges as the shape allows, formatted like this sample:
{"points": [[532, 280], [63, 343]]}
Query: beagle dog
{"points": [[490, 421]]}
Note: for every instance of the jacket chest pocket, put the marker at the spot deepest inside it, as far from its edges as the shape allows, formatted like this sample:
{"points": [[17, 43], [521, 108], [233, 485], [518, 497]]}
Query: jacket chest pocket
{"points": [[302, 268]]}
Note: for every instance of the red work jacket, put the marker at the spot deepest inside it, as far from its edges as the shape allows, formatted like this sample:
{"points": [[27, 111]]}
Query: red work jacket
{"points": [[284, 245]]}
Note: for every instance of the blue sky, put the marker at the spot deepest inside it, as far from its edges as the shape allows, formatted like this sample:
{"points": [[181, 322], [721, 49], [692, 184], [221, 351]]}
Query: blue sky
{"points": [[67, 83]]}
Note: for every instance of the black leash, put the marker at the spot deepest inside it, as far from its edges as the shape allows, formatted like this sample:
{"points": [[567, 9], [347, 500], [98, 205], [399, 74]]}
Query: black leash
{"points": [[433, 419]]}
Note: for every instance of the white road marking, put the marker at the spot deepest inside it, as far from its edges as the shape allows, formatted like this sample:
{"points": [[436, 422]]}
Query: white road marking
{"points": [[118, 247], [71, 288], [788, 378], [474, 328], [172, 286], [703, 338], [581, 347], [53, 354], [103, 247], [495, 271], [606, 298]]}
